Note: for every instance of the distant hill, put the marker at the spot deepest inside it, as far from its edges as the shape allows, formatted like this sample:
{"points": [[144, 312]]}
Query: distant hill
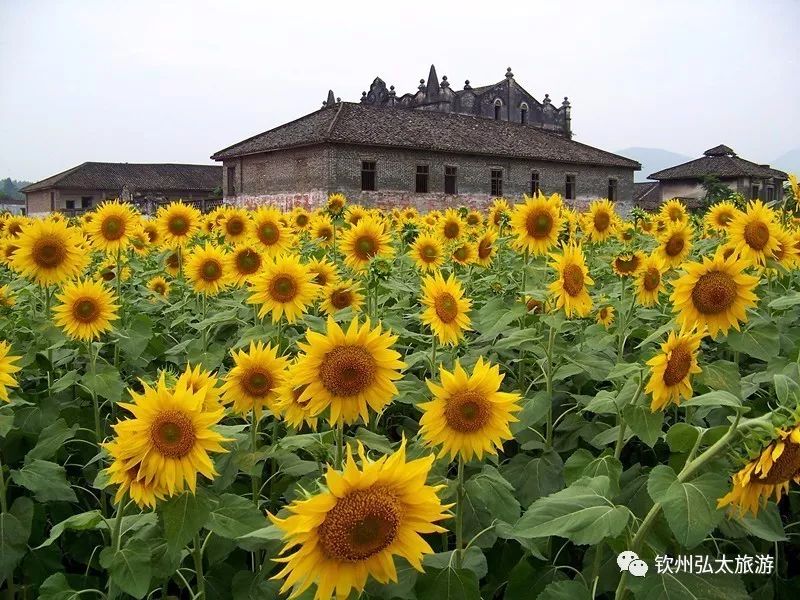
{"points": [[789, 162], [652, 159], [10, 188]]}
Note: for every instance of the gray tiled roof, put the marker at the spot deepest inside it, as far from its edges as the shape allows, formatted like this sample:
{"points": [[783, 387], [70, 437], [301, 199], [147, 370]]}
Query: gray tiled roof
{"points": [[349, 123], [721, 162], [646, 195], [141, 177]]}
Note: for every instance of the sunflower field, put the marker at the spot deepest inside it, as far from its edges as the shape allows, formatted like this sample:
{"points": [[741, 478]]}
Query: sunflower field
{"points": [[357, 403]]}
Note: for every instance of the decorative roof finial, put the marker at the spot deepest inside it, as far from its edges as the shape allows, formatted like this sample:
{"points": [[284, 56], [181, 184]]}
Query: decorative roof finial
{"points": [[421, 86], [432, 89], [445, 83], [546, 99], [364, 97], [509, 74], [331, 99], [467, 86], [391, 90], [565, 103]]}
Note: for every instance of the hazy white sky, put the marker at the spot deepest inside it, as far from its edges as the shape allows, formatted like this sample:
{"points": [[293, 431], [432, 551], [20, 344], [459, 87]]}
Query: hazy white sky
{"points": [[174, 81]]}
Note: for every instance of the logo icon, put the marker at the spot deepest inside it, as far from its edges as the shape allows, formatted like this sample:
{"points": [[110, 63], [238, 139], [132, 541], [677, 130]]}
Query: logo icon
{"points": [[629, 561]]}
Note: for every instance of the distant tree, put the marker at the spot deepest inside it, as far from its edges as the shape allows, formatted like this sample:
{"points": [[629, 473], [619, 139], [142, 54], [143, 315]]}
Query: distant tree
{"points": [[716, 191]]}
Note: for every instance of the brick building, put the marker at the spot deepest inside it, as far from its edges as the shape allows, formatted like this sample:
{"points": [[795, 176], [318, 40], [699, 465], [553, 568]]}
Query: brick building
{"points": [[433, 148], [83, 187]]}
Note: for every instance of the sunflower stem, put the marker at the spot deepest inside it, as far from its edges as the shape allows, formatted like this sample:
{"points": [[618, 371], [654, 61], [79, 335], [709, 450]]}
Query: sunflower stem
{"points": [[460, 514], [339, 444], [197, 553], [433, 354], [549, 389], [523, 287], [46, 290], [256, 478], [203, 308], [3, 504]]}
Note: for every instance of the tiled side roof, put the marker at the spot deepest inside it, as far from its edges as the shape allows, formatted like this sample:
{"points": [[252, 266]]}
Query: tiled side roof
{"points": [[646, 195], [719, 166], [113, 176], [349, 123]]}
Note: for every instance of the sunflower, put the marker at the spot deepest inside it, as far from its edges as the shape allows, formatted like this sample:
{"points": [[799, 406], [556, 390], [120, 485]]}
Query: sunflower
{"points": [[206, 269], [177, 223], [324, 271], [8, 247], [7, 369], [336, 203], [270, 232], [140, 242], [354, 527], [172, 262], [770, 473], [649, 280], [646, 225], [569, 288], [464, 253], [714, 294], [486, 248], [675, 244], [432, 218], [721, 215], [198, 380], [112, 226], [86, 310], [7, 297], [169, 437], [347, 373], [536, 224], [288, 405], [450, 225], [427, 252], [671, 370], [107, 270], [252, 385], [605, 316], [628, 264], [341, 295], [785, 253], [468, 414], [125, 475], [15, 224], [244, 261], [159, 285], [284, 286], [499, 212], [474, 219], [322, 230], [364, 241], [445, 308], [235, 225], [300, 218], [754, 233], [49, 252], [600, 221], [674, 211], [355, 214], [150, 229]]}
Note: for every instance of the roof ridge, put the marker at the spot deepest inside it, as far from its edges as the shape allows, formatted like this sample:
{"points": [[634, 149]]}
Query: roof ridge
{"points": [[55, 178], [334, 120]]}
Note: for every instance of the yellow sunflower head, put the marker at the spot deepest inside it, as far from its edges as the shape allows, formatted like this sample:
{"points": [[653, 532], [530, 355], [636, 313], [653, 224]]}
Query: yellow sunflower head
{"points": [[271, 232], [340, 295], [721, 215], [289, 407], [353, 528], [355, 213], [235, 225], [427, 251], [674, 211], [253, 384], [672, 368], [206, 269], [159, 286], [445, 308], [450, 225], [244, 262], [347, 373], [14, 225], [600, 222], [675, 243], [49, 252], [300, 218], [322, 230], [468, 414], [7, 298], [536, 224], [7, 370], [755, 233], [474, 219], [486, 248], [628, 264], [365, 241], [605, 316], [499, 212], [125, 474], [464, 253], [572, 278], [285, 286], [177, 223], [336, 204], [785, 253], [650, 280], [324, 271], [113, 226], [198, 380], [150, 229], [86, 309]]}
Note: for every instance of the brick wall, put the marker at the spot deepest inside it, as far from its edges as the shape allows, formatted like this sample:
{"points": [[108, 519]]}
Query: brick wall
{"points": [[38, 203]]}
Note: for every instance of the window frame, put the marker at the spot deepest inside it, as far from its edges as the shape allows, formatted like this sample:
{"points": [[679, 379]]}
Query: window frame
{"points": [[613, 184], [769, 195], [423, 174], [231, 181], [366, 172], [574, 186], [454, 176], [536, 183], [523, 113], [755, 191], [496, 182], [498, 109], [87, 202]]}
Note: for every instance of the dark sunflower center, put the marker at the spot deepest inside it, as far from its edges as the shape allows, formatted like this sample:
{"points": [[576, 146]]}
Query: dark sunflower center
{"points": [[724, 218], [601, 221], [173, 261], [652, 279], [151, 233], [675, 214], [10, 249], [283, 288], [325, 233], [473, 219], [446, 307], [108, 275], [429, 253], [539, 225], [573, 280], [533, 305], [320, 278], [497, 217], [341, 299], [366, 247], [178, 225], [257, 382], [85, 310], [714, 293], [15, 229], [211, 270], [675, 245], [603, 313], [484, 249], [461, 253], [301, 220], [451, 230], [268, 233], [360, 525], [347, 370], [248, 261], [756, 235], [678, 365], [627, 265], [113, 228], [172, 434], [467, 411], [159, 288], [785, 467], [234, 226], [49, 252]]}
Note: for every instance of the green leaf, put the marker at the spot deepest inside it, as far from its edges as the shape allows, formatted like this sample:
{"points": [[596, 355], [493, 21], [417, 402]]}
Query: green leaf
{"points": [[473, 560], [787, 390], [583, 513], [762, 342], [234, 517], [687, 586], [51, 439], [183, 517], [767, 525], [583, 463], [448, 584], [533, 478], [488, 498], [79, 522], [69, 379], [47, 480], [133, 340], [565, 590], [714, 399], [13, 543], [645, 423], [720, 375], [129, 567], [690, 507], [786, 301], [681, 437], [247, 585], [106, 382], [56, 587]]}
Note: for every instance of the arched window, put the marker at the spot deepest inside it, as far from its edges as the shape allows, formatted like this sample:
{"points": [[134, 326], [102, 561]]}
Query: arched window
{"points": [[523, 113], [498, 107]]}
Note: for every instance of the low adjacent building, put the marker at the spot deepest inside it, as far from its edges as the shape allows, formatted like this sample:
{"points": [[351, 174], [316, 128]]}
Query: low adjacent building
{"points": [[430, 149], [80, 188]]}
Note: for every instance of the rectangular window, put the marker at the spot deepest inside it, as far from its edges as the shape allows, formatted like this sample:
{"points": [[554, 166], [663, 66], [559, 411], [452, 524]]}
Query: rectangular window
{"points": [[569, 187], [770, 193], [612, 190], [422, 179], [69, 204], [497, 182], [450, 186], [754, 192], [367, 175], [231, 181], [86, 201], [534, 183], [52, 201]]}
